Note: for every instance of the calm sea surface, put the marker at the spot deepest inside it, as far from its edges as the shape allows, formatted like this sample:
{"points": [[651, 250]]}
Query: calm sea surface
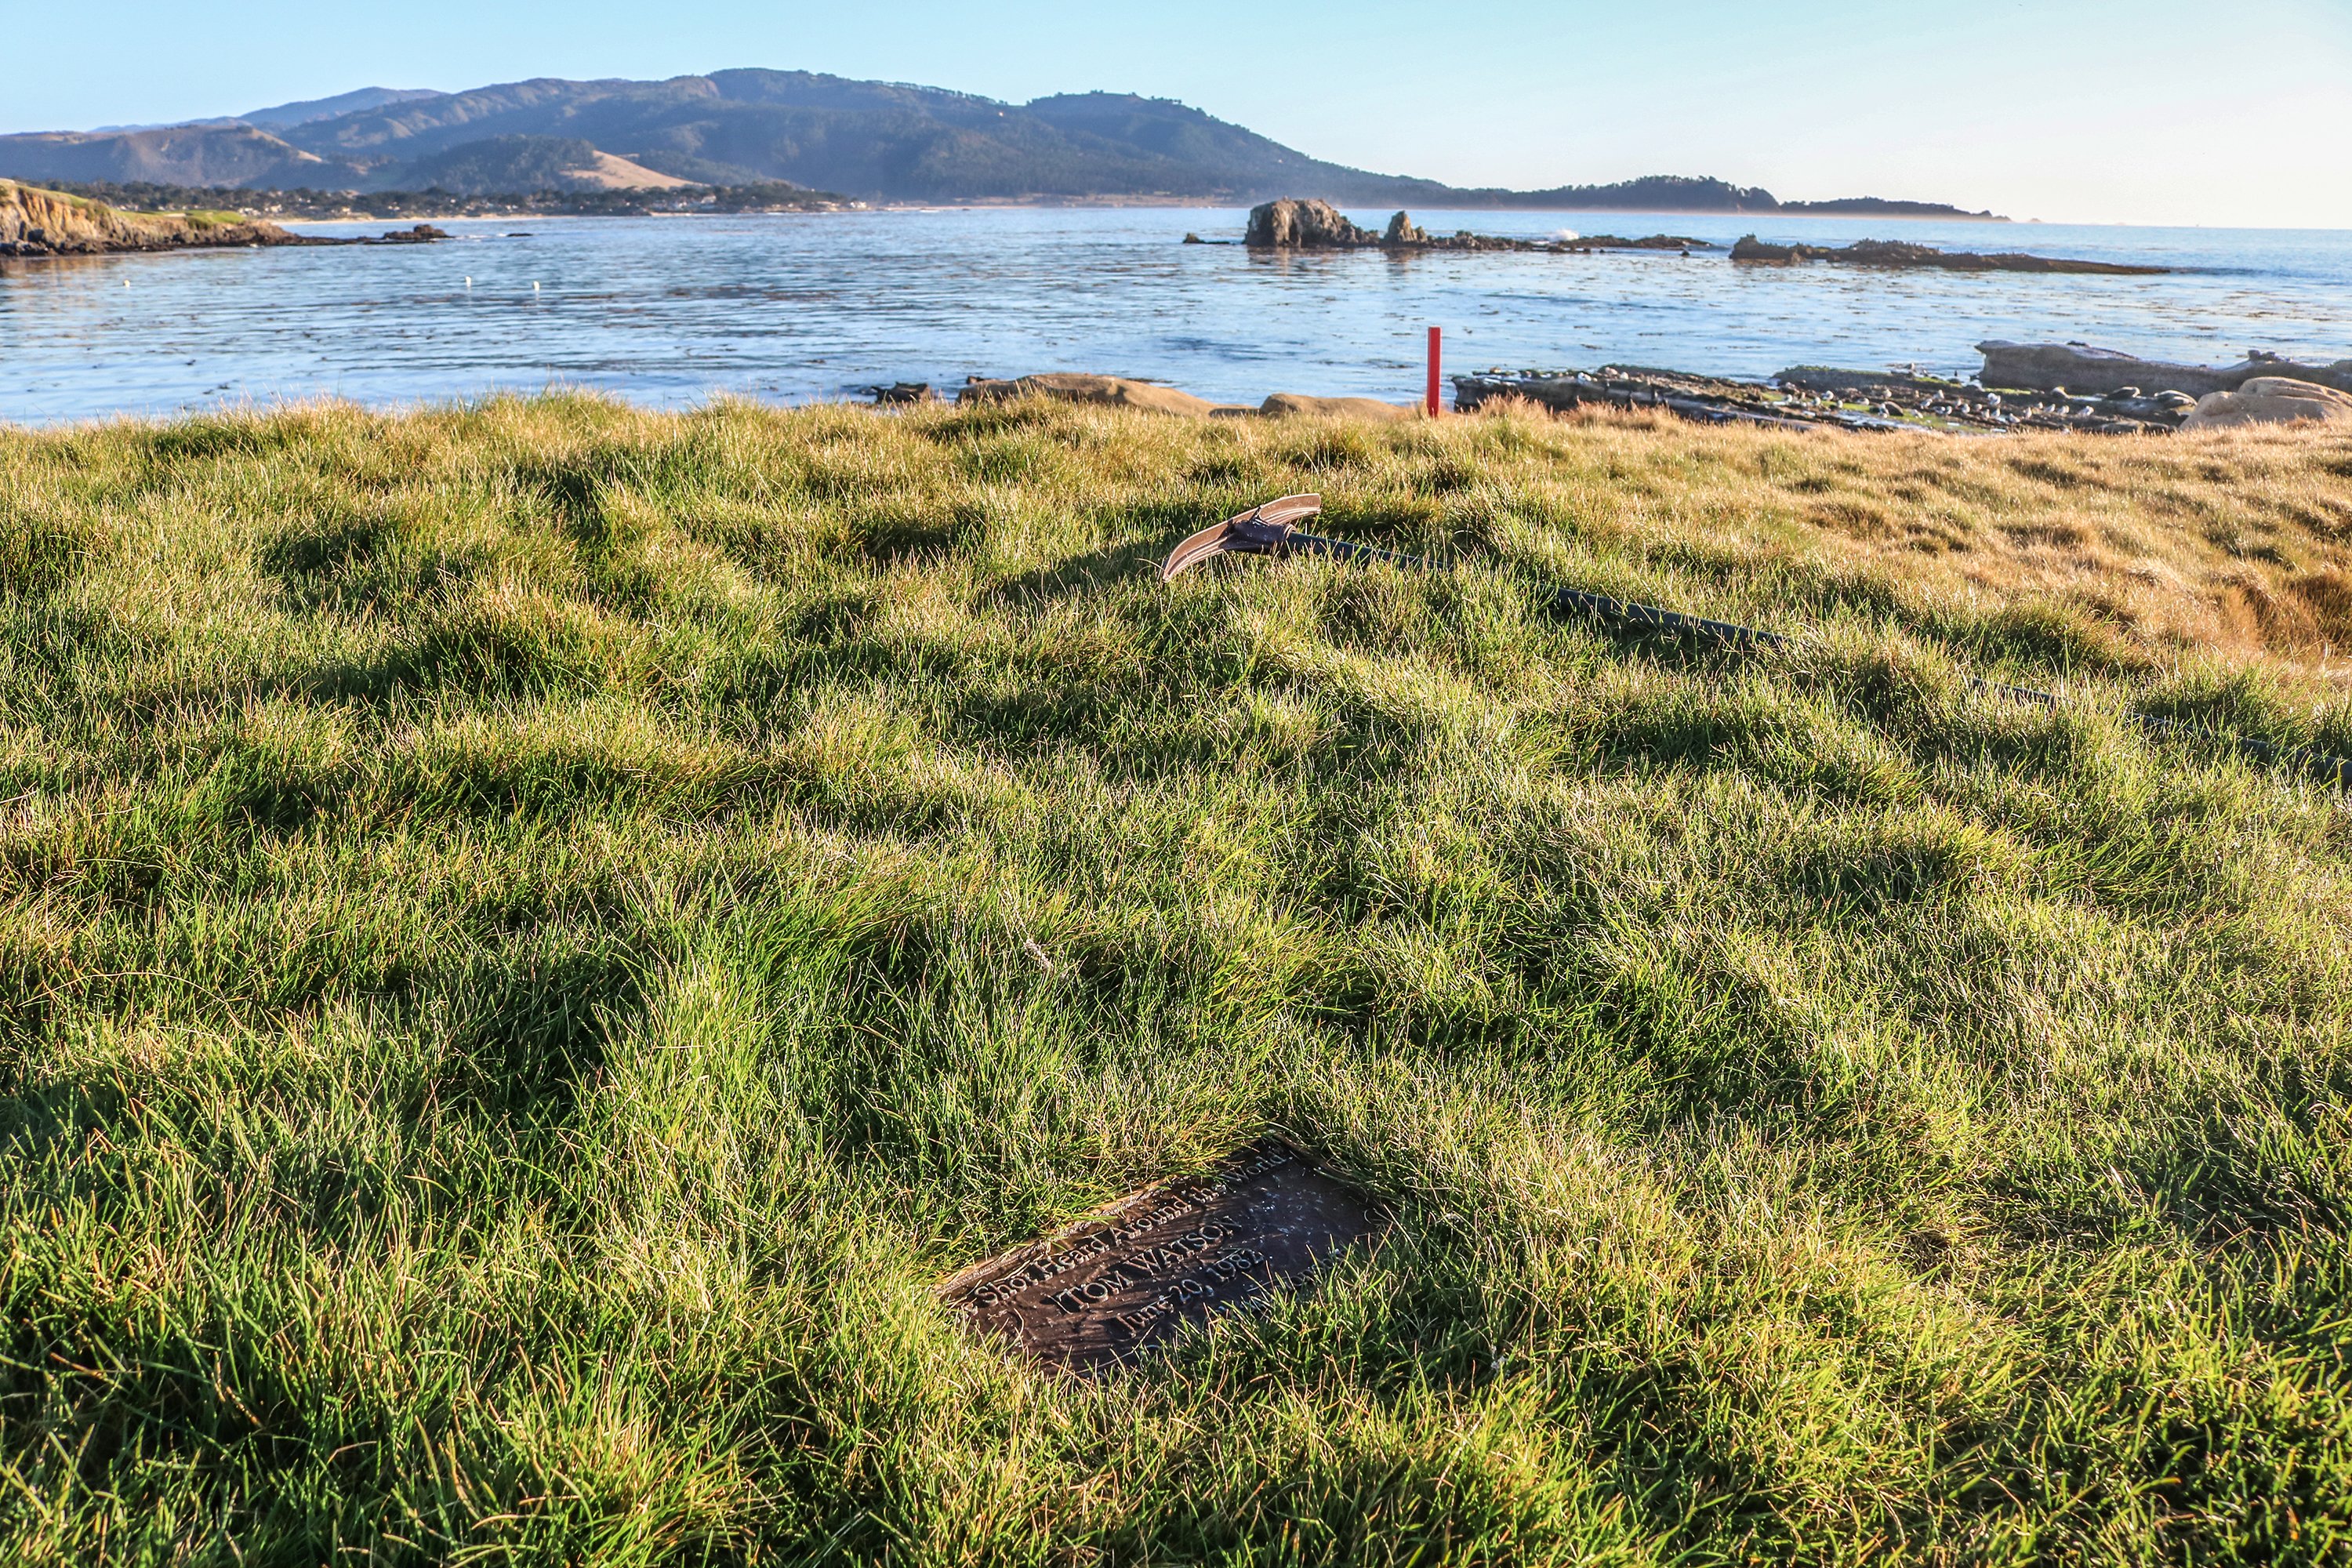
{"points": [[791, 307]]}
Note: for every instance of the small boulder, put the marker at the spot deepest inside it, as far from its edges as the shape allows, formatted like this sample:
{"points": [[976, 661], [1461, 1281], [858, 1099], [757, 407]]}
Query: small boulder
{"points": [[1075, 387], [2270, 400], [1294, 403], [1402, 230]]}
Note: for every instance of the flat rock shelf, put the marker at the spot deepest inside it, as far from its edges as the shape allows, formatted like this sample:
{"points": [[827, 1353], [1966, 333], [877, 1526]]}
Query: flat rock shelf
{"points": [[1108, 1287]]}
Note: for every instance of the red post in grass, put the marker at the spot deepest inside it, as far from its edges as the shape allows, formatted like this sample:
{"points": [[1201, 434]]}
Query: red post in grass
{"points": [[1432, 373]]}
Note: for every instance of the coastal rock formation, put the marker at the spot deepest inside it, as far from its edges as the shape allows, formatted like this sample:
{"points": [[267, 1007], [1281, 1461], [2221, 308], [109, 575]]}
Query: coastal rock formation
{"points": [[2271, 400], [1305, 224], [1961, 405], [1073, 388], [1900, 253], [1818, 396], [2079, 368], [1292, 224], [1706, 399], [35, 222], [1402, 230]]}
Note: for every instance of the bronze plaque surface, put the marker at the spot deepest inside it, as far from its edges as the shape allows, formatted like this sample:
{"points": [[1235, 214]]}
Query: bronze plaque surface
{"points": [[1109, 1286]]}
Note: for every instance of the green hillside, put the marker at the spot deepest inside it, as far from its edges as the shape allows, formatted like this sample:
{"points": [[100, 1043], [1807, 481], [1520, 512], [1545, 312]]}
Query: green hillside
{"points": [[874, 141], [501, 164]]}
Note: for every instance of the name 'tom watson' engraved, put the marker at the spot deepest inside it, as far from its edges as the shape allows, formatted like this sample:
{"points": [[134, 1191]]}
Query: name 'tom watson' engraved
{"points": [[1106, 1287]]}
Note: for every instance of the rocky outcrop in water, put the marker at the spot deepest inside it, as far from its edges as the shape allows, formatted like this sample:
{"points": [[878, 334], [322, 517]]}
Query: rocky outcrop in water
{"points": [[2079, 368], [1292, 224], [1295, 225], [1900, 253], [1402, 230]]}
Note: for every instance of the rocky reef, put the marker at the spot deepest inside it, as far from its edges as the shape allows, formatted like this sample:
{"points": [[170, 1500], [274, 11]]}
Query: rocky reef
{"points": [[2035, 386], [1861, 403], [1295, 224], [1823, 396], [1901, 252], [1975, 405]]}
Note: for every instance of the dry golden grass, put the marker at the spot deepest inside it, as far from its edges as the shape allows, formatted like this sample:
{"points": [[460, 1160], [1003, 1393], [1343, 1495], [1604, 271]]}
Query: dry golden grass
{"points": [[2237, 543]]}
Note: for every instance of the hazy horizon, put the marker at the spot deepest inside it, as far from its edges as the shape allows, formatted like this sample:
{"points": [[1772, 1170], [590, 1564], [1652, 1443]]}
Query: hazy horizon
{"points": [[2153, 112]]}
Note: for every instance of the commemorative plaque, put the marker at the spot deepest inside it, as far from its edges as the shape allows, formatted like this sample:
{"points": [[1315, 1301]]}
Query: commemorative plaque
{"points": [[1113, 1284]]}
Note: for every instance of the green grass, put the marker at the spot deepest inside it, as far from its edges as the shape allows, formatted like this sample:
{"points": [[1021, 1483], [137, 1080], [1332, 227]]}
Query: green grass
{"points": [[531, 936]]}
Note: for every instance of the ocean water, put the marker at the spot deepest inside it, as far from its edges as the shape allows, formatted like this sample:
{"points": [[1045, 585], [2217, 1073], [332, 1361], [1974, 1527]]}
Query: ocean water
{"points": [[791, 308]]}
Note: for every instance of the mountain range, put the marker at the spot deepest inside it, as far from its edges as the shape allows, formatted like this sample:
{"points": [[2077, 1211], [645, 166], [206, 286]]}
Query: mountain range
{"points": [[880, 141]]}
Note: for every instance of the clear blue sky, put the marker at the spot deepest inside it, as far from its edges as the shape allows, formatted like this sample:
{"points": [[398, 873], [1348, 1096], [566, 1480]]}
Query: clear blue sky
{"points": [[2212, 112]]}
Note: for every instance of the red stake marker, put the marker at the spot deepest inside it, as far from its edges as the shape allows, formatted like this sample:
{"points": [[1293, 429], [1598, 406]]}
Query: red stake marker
{"points": [[1432, 373]]}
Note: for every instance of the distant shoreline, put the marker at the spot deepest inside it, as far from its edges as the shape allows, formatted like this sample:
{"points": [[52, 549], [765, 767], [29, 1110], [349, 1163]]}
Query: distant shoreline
{"points": [[433, 205], [431, 214], [1238, 206]]}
